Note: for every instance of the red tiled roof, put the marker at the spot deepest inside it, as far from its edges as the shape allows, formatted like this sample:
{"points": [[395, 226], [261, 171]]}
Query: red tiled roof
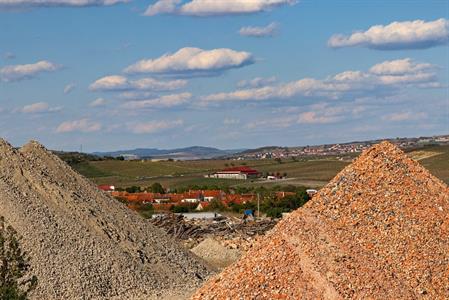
{"points": [[106, 188], [246, 170]]}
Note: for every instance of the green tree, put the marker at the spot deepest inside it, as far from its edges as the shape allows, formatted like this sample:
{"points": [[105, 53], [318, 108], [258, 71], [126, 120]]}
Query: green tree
{"points": [[274, 212], [15, 280], [133, 189], [216, 205], [157, 188]]}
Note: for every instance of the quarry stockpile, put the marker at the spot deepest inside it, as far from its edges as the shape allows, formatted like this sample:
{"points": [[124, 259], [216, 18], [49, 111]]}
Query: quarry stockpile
{"points": [[378, 230], [82, 243]]}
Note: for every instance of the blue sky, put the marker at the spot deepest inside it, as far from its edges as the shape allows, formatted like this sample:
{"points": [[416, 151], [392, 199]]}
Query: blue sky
{"points": [[115, 74]]}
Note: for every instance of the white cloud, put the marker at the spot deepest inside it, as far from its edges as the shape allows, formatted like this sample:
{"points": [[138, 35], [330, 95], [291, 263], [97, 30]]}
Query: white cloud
{"points": [[162, 7], [160, 102], [28, 71], [98, 102], [400, 67], [256, 82], [416, 34], [121, 83], [405, 116], [69, 88], [387, 76], [136, 95], [154, 126], [39, 107], [317, 117], [253, 31], [56, 3], [82, 125], [193, 61], [278, 122], [214, 7]]}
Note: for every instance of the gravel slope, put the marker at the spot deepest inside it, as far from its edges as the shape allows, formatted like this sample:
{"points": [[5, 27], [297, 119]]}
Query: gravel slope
{"points": [[82, 243], [378, 230]]}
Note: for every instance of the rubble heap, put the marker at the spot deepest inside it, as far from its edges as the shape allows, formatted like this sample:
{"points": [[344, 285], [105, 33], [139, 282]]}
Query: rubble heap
{"points": [[224, 227], [82, 243], [378, 230]]}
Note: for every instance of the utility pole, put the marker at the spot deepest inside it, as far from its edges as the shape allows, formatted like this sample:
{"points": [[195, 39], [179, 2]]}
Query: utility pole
{"points": [[258, 206]]}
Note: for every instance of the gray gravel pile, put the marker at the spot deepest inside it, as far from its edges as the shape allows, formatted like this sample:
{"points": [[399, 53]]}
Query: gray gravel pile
{"points": [[82, 243], [216, 254]]}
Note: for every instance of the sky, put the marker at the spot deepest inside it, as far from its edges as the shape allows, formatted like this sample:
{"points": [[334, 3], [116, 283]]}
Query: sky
{"points": [[121, 74]]}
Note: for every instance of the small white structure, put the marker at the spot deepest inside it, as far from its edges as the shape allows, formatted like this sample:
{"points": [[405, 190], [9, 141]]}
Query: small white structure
{"points": [[229, 175], [311, 192], [190, 200]]}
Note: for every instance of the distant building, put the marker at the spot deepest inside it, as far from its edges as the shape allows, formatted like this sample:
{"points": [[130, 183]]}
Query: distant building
{"points": [[311, 192], [107, 188], [236, 173]]}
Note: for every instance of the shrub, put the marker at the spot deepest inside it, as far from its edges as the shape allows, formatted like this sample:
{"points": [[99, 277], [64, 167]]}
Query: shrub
{"points": [[15, 280], [274, 212]]}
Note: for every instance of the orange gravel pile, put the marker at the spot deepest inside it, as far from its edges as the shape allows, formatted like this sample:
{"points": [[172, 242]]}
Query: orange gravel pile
{"points": [[378, 230]]}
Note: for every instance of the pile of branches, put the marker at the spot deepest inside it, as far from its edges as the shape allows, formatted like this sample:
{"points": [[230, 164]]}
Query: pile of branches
{"points": [[180, 228]]}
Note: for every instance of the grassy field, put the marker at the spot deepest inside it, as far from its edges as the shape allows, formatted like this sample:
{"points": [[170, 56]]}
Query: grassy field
{"points": [[312, 173]]}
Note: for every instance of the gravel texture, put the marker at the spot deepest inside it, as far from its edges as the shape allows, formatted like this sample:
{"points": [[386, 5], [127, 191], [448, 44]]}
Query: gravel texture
{"points": [[82, 243], [378, 230], [216, 254]]}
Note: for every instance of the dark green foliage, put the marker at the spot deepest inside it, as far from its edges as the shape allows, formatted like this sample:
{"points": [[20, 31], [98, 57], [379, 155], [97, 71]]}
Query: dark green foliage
{"points": [[185, 208], [274, 212], [133, 189], [216, 205], [15, 280], [157, 188]]}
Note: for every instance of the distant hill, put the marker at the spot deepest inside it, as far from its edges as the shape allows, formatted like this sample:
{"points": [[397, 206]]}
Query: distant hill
{"points": [[195, 152]]}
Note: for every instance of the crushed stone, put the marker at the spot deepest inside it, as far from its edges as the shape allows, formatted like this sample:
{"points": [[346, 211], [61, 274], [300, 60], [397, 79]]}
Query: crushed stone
{"points": [[378, 230]]}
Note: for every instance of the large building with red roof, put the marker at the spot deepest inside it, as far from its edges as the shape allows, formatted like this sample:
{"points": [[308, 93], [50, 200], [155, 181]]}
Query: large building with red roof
{"points": [[236, 173]]}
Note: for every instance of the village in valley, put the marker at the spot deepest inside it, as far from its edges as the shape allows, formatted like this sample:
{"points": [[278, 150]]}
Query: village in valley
{"points": [[156, 198]]}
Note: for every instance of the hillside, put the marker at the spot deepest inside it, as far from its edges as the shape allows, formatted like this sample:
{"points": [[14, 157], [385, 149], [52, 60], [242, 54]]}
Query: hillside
{"points": [[189, 153], [82, 243], [309, 172], [378, 230]]}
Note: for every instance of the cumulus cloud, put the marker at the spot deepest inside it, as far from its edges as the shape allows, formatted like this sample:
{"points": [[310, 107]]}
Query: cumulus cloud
{"points": [[69, 88], [202, 8], [416, 34], [254, 31], [39, 107], [400, 67], [82, 125], [191, 61], [160, 102], [121, 83], [256, 82], [405, 116], [56, 3], [154, 126], [162, 7], [28, 71], [98, 102], [317, 117], [320, 113], [387, 76]]}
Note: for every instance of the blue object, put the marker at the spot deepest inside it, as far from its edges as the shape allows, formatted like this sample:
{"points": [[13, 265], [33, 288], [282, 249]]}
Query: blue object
{"points": [[248, 212]]}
